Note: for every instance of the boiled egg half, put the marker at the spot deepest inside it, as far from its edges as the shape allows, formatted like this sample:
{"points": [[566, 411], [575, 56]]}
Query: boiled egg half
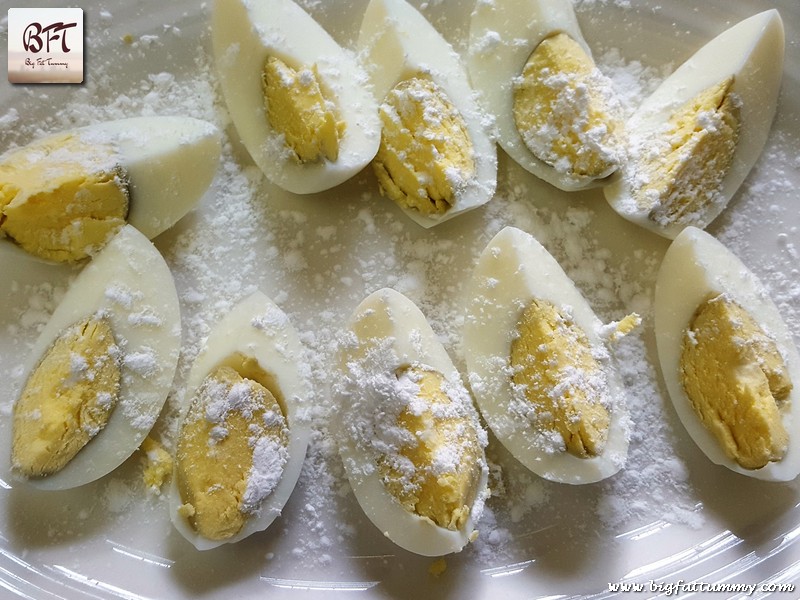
{"points": [[539, 365], [100, 371], [409, 436], [243, 434], [556, 113], [436, 158], [63, 196], [695, 139], [728, 359], [299, 101]]}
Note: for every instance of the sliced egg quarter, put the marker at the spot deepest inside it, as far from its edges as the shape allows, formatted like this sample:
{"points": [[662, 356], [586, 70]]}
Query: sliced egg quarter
{"points": [[63, 196], [298, 100], [557, 115], [695, 139], [101, 369], [728, 359], [409, 436], [436, 158], [244, 430], [539, 367]]}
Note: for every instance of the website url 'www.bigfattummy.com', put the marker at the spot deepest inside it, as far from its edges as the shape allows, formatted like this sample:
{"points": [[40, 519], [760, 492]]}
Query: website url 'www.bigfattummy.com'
{"points": [[689, 587]]}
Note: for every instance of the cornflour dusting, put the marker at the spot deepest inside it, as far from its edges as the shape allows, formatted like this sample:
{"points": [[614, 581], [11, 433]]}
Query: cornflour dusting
{"points": [[319, 257]]}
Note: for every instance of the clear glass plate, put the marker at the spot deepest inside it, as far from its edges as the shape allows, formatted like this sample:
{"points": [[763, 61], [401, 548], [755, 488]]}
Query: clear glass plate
{"points": [[671, 517]]}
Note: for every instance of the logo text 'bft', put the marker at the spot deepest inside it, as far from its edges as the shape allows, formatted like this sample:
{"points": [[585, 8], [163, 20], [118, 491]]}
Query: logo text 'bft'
{"points": [[45, 45], [32, 36]]}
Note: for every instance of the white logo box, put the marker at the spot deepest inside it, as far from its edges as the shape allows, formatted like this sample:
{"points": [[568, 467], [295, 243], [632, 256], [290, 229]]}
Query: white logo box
{"points": [[45, 45]]}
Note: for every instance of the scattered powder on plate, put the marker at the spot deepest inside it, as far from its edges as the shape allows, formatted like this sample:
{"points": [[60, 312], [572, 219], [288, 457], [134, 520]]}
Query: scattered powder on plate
{"points": [[317, 263]]}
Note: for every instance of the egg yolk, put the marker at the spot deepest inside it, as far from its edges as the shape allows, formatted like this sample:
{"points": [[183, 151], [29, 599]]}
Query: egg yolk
{"points": [[158, 464], [563, 110], [298, 109], [554, 370], [231, 453], [438, 567], [681, 172], [62, 198], [438, 467], [425, 156], [67, 399], [736, 381], [623, 327]]}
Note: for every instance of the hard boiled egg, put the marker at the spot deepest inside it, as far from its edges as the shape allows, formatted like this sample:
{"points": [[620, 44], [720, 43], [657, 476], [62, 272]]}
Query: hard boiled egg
{"points": [[539, 367], [728, 359], [409, 436], [63, 196], [436, 159], [557, 115], [299, 101], [244, 432], [695, 139], [100, 371]]}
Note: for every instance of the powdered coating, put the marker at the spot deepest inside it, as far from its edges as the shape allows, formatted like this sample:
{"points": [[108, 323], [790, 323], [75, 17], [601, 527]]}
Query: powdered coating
{"points": [[67, 399], [231, 453]]}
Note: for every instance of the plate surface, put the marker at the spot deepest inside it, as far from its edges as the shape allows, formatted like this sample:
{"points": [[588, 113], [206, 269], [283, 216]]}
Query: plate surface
{"points": [[670, 516]]}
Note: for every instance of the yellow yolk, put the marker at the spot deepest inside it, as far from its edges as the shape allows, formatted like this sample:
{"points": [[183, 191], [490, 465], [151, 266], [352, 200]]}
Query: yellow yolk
{"points": [[438, 470], [229, 416], [562, 111], [158, 464], [683, 174], [736, 380], [67, 399], [553, 365], [438, 567], [624, 326], [426, 155], [297, 109], [62, 198]]}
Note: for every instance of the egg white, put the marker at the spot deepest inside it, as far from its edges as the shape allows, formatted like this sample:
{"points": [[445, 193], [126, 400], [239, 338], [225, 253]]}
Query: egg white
{"points": [[513, 270], [244, 34], [695, 267], [257, 328], [502, 36], [169, 163], [131, 285], [388, 317], [750, 51], [395, 43]]}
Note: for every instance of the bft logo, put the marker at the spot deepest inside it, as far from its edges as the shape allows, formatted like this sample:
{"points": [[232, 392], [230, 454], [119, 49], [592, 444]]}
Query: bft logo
{"points": [[45, 45], [32, 36]]}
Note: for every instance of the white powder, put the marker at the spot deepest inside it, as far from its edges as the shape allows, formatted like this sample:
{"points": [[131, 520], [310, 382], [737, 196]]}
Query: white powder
{"points": [[267, 432], [9, 119], [122, 296], [117, 496], [269, 460], [143, 363], [318, 257], [145, 318], [79, 367], [567, 133]]}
